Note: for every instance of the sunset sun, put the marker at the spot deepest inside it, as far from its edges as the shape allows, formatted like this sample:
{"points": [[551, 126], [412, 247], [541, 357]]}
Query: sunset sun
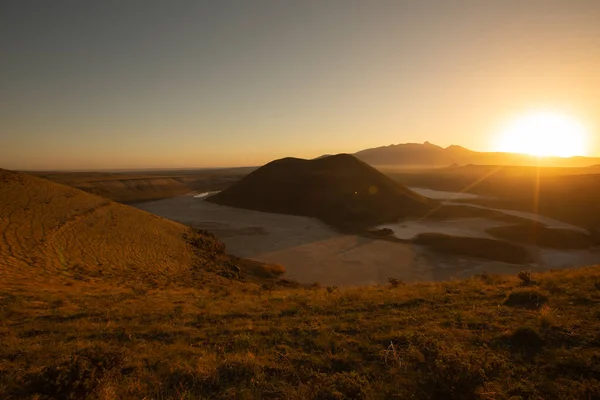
{"points": [[544, 134]]}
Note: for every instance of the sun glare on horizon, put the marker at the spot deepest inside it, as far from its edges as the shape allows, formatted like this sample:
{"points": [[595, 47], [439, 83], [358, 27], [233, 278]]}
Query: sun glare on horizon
{"points": [[544, 134]]}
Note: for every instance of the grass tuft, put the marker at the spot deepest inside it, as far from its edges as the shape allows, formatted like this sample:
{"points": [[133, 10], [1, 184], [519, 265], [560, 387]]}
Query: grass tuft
{"points": [[546, 318], [525, 277], [395, 282]]}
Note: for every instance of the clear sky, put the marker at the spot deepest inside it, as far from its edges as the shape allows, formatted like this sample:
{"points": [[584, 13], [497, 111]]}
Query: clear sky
{"points": [[127, 84]]}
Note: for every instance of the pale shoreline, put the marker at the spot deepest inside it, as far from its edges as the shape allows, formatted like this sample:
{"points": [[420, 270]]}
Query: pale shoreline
{"points": [[312, 252]]}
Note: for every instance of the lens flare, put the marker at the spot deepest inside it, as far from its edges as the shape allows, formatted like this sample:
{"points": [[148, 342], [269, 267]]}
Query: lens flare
{"points": [[544, 134]]}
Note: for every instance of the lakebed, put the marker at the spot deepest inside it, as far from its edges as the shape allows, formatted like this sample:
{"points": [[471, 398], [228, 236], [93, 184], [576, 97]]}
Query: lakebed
{"points": [[311, 251]]}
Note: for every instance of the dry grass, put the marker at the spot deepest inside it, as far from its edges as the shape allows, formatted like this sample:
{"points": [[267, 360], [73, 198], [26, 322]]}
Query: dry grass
{"points": [[169, 317], [50, 232], [451, 340]]}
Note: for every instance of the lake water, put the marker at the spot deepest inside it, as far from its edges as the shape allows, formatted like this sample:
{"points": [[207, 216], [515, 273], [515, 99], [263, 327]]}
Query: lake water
{"points": [[441, 195], [205, 194]]}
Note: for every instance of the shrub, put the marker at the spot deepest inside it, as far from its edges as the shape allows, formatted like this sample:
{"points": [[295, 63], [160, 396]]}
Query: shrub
{"points": [[526, 298], [275, 269], [259, 269], [394, 282], [382, 232], [526, 337], [525, 277]]}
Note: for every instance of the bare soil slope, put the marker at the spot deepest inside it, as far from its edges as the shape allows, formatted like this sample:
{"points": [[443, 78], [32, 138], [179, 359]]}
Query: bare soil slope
{"points": [[340, 190], [54, 232]]}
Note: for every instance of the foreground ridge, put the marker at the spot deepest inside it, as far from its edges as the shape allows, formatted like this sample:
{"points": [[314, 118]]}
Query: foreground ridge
{"points": [[489, 337]]}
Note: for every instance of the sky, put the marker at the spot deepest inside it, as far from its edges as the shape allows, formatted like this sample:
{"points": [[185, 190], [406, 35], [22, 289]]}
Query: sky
{"points": [[171, 84]]}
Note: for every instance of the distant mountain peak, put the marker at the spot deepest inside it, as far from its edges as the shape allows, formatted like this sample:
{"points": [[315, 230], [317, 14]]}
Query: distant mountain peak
{"points": [[427, 154], [455, 147], [429, 145]]}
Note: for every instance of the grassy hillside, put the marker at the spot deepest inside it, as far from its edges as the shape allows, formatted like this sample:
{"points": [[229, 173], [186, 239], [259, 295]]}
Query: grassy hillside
{"points": [[51, 232], [489, 337], [101, 301]]}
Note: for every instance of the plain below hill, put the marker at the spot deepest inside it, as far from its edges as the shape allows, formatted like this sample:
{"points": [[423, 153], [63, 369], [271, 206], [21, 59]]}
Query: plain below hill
{"points": [[54, 233], [340, 190], [138, 186]]}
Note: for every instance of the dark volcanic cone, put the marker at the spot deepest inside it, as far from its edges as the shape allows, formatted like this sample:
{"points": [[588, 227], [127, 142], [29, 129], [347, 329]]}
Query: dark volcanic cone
{"points": [[340, 190]]}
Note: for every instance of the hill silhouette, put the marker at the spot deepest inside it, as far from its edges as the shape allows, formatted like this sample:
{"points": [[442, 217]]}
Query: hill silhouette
{"points": [[340, 190], [428, 155], [51, 232]]}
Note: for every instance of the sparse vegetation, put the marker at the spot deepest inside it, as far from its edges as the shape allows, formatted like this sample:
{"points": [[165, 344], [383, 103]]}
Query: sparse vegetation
{"points": [[475, 247], [525, 277], [394, 282], [234, 340]]}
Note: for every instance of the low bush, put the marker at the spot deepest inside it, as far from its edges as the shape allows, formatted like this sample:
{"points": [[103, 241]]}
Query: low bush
{"points": [[525, 277], [526, 298], [526, 338]]}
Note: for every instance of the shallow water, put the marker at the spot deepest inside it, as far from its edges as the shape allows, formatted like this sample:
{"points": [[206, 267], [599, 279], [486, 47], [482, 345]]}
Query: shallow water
{"points": [[442, 195], [204, 195]]}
